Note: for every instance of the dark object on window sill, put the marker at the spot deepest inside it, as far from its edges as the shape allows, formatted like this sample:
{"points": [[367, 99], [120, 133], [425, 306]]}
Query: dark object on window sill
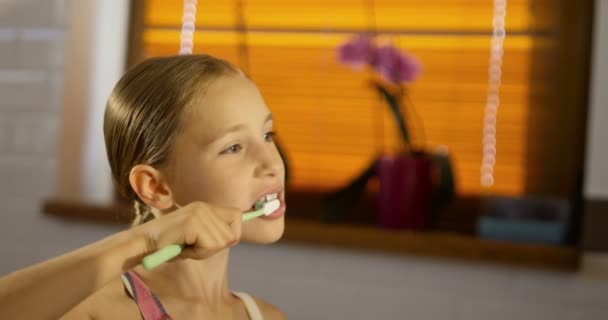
{"points": [[414, 189], [337, 206]]}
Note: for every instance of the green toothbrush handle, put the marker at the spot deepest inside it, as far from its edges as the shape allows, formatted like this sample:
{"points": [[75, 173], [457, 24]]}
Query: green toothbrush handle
{"points": [[161, 256], [252, 215], [171, 251]]}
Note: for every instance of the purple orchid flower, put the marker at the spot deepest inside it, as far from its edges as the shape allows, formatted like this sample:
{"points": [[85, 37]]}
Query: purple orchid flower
{"points": [[395, 66], [357, 52], [391, 63]]}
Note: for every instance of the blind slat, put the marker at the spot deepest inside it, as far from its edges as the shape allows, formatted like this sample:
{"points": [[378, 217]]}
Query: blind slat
{"points": [[329, 117]]}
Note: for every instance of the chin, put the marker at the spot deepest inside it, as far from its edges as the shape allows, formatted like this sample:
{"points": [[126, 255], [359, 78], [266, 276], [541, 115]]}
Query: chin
{"points": [[264, 232]]}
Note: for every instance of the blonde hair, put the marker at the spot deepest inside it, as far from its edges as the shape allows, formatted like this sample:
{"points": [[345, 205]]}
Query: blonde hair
{"points": [[145, 112]]}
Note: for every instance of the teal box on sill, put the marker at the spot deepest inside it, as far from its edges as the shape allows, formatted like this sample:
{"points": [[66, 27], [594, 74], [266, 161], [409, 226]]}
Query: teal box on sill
{"points": [[527, 219], [541, 232]]}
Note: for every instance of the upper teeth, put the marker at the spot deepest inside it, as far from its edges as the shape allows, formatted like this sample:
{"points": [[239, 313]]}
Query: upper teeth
{"points": [[269, 197]]}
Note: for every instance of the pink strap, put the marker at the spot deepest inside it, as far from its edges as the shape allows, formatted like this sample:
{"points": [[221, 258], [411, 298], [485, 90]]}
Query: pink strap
{"points": [[147, 302]]}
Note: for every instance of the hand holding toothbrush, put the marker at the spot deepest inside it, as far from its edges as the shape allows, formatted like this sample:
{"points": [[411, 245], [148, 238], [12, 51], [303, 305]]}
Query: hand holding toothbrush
{"points": [[201, 229], [196, 231]]}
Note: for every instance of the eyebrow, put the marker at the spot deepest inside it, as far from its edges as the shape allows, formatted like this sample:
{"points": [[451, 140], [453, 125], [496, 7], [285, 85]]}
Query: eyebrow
{"points": [[237, 128]]}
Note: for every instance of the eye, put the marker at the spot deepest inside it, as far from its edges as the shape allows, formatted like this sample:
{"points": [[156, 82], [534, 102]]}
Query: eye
{"points": [[235, 148], [269, 136]]}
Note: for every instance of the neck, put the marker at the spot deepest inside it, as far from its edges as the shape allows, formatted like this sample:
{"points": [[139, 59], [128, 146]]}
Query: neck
{"points": [[203, 281]]}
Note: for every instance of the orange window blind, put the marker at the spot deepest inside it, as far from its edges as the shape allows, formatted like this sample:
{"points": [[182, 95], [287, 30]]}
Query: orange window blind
{"points": [[330, 120]]}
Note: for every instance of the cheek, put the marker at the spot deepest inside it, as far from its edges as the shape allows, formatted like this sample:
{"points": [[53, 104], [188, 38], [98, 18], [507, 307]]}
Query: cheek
{"points": [[279, 160], [220, 186]]}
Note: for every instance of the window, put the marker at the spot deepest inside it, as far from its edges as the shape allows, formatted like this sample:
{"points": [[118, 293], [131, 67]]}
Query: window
{"points": [[333, 124]]}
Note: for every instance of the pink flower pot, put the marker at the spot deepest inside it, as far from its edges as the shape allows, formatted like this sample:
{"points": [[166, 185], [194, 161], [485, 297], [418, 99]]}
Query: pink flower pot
{"points": [[405, 191]]}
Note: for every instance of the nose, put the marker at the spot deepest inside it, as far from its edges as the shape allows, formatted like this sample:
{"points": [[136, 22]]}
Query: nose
{"points": [[268, 161]]}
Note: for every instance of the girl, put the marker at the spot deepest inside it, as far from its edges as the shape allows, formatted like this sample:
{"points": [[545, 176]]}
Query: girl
{"points": [[189, 131]]}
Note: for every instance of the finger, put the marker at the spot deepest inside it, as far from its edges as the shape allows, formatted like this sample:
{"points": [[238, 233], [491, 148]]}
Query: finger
{"points": [[199, 252], [202, 233], [228, 215], [206, 245], [228, 232], [237, 229], [220, 227]]}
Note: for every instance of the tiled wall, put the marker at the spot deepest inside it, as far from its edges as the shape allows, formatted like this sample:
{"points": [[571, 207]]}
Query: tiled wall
{"points": [[32, 40], [31, 75], [307, 283]]}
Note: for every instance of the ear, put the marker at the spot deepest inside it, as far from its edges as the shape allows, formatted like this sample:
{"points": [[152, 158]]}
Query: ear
{"points": [[149, 185]]}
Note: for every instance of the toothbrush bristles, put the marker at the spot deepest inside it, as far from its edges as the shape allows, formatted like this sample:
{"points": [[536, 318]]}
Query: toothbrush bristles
{"points": [[259, 205]]}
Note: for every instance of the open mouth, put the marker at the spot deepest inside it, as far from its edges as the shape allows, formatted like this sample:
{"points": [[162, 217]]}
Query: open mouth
{"points": [[263, 200]]}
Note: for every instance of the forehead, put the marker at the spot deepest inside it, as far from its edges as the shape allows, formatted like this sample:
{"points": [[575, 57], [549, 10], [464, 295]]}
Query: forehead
{"points": [[228, 101]]}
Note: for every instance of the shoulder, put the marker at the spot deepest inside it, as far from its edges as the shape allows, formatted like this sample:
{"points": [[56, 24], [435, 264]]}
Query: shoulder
{"points": [[269, 311], [109, 302]]}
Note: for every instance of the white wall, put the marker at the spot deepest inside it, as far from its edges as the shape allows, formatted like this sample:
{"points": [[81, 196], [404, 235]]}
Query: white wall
{"points": [[317, 283], [596, 171], [306, 282], [32, 69], [96, 50]]}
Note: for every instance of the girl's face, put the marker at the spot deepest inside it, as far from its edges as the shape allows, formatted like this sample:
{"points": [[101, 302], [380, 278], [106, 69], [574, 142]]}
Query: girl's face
{"points": [[225, 155]]}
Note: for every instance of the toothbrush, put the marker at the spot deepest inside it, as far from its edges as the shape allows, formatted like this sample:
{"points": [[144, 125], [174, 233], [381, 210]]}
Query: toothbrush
{"points": [[171, 251]]}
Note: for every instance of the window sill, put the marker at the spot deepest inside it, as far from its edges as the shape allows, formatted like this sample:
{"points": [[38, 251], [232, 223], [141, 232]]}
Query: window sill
{"points": [[438, 243]]}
